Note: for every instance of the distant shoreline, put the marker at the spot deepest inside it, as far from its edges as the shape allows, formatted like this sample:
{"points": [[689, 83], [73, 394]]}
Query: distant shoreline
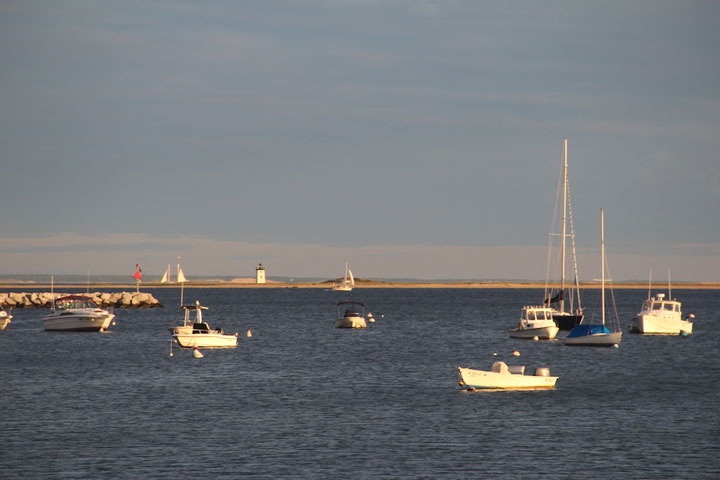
{"points": [[361, 285]]}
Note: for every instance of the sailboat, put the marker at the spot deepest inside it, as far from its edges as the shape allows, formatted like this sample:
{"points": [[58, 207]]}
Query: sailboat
{"points": [[166, 276], [554, 298], [593, 334], [348, 281], [181, 280]]}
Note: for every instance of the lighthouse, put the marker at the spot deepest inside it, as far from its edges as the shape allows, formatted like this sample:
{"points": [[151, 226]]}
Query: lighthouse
{"points": [[260, 274]]}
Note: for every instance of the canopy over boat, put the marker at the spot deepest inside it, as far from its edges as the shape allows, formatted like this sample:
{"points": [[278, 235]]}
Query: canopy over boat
{"points": [[74, 301], [584, 330]]}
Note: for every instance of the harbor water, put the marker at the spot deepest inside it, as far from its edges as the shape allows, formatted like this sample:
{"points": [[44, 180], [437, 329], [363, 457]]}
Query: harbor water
{"points": [[302, 399]]}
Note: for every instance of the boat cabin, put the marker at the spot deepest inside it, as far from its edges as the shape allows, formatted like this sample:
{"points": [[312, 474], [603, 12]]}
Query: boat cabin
{"points": [[536, 313], [202, 327], [73, 302], [658, 304]]}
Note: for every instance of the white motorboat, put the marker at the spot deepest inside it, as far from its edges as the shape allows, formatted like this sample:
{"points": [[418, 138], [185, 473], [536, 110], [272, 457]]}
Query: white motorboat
{"points": [[352, 315], [77, 313], [348, 281], [5, 318], [535, 322], [661, 316], [199, 334], [504, 377], [597, 335]]}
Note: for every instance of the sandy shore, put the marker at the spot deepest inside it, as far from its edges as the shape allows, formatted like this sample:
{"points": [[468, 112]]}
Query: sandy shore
{"points": [[363, 284]]}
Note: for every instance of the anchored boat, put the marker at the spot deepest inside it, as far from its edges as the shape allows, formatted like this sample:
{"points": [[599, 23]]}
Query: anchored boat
{"points": [[504, 377], [198, 333], [594, 334], [661, 316], [5, 318], [535, 322], [352, 316], [77, 313]]}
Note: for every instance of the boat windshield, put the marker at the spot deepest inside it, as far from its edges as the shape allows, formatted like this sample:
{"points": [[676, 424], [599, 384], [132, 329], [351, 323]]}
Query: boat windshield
{"points": [[657, 306], [74, 302]]}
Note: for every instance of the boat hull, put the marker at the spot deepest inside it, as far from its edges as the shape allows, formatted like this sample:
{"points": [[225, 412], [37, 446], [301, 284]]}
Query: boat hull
{"points": [[657, 325], [4, 320], [596, 340], [482, 379], [77, 322], [342, 289], [350, 322], [206, 340], [566, 321], [543, 333]]}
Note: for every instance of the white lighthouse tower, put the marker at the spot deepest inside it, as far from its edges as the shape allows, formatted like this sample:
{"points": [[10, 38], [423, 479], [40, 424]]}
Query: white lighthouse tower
{"points": [[260, 274]]}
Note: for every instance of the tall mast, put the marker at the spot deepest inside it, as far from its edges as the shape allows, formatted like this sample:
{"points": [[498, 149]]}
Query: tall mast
{"points": [[602, 254], [564, 220]]}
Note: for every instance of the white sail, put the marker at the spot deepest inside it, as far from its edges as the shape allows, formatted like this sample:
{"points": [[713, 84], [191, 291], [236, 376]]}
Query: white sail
{"points": [[181, 277], [166, 275], [352, 279]]}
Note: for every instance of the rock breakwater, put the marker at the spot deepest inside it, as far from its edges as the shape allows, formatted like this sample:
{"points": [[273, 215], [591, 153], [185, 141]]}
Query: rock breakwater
{"points": [[104, 300]]}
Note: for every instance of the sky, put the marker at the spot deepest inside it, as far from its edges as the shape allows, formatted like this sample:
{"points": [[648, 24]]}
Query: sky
{"points": [[414, 139]]}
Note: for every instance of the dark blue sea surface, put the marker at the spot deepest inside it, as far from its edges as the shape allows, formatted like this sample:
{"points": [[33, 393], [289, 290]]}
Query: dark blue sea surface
{"points": [[302, 399]]}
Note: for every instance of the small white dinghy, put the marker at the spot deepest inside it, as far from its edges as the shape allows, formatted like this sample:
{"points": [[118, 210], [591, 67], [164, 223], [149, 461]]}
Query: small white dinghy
{"points": [[504, 377]]}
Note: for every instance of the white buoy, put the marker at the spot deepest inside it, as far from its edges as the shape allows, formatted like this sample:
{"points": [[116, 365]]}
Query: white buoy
{"points": [[249, 333], [516, 353], [369, 315], [494, 354], [535, 338], [197, 353]]}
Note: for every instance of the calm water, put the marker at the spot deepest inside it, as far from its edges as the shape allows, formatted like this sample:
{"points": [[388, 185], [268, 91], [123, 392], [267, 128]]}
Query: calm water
{"points": [[302, 399]]}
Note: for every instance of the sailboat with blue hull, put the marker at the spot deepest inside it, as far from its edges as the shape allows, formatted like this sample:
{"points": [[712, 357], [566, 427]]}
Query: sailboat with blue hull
{"points": [[595, 335]]}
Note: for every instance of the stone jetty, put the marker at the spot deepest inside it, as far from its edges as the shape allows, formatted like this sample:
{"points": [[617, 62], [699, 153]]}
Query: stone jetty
{"points": [[105, 300]]}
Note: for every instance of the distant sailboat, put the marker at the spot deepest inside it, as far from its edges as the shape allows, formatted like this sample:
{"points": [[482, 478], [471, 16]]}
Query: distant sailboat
{"points": [[597, 335], [166, 276], [181, 280], [348, 281]]}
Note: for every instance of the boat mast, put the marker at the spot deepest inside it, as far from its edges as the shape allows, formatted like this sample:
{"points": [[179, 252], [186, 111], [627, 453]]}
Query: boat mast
{"points": [[564, 220], [669, 286], [650, 284], [602, 266]]}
